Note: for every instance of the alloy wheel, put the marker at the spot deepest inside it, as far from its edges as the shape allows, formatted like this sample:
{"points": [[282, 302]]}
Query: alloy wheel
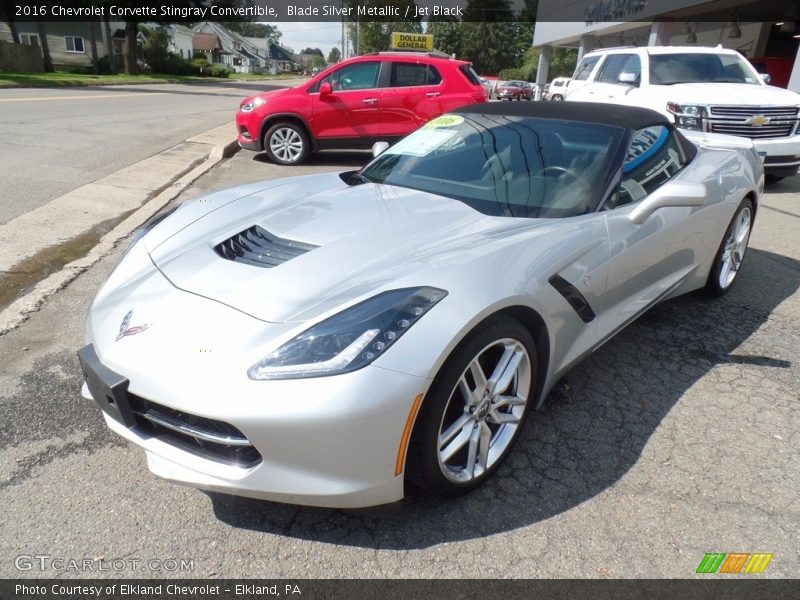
{"points": [[484, 410], [735, 247]]}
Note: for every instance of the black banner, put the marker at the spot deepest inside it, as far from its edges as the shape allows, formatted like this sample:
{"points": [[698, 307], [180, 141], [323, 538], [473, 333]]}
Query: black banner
{"points": [[276, 11], [732, 588]]}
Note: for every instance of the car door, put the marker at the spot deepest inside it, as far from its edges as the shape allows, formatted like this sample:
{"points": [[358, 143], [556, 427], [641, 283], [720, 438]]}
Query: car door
{"points": [[352, 108], [607, 86], [412, 97], [647, 261]]}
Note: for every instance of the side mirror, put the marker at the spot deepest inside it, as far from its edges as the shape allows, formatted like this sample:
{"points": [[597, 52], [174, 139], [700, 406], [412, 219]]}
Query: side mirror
{"points": [[673, 194], [765, 77], [325, 89], [379, 148], [628, 78]]}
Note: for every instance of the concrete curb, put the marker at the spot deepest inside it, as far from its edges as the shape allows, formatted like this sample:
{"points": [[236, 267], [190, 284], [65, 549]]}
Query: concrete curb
{"points": [[19, 311]]}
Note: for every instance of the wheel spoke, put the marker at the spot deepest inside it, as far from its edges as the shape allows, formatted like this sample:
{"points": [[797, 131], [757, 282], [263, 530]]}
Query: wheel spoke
{"points": [[506, 401], [456, 427], [471, 397], [725, 270], [478, 375], [502, 418], [457, 444], [472, 452], [505, 370], [485, 442]]}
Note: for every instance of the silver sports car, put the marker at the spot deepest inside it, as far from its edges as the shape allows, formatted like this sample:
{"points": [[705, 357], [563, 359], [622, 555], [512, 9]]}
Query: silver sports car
{"points": [[327, 339]]}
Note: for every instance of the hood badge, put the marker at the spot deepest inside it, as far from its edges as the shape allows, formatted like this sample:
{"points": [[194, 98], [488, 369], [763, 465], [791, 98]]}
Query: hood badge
{"points": [[125, 331]]}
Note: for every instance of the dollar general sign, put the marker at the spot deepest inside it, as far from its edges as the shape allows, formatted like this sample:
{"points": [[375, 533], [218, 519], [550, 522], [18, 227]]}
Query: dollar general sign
{"points": [[412, 41]]}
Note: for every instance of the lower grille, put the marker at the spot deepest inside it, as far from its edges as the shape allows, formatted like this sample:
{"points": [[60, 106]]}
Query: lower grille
{"points": [[209, 438]]}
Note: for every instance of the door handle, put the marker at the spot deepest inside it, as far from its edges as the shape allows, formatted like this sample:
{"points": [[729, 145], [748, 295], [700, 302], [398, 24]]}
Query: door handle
{"points": [[369, 100], [433, 94]]}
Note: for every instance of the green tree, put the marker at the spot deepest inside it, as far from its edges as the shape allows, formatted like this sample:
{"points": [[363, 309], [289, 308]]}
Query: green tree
{"points": [[447, 34], [374, 33], [317, 62], [335, 55], [257, 30], [489, 36]]}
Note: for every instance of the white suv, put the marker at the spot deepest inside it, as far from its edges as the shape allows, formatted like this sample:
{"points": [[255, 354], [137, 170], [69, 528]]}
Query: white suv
{"points": [[704, 89]]}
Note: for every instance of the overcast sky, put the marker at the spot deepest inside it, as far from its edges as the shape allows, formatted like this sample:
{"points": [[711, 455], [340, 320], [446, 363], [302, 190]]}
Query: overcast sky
{"points": [[310, 34]]}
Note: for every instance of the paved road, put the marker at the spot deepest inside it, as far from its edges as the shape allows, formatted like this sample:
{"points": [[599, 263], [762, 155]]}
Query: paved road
{"points": [[679, 437], [55, 140]]}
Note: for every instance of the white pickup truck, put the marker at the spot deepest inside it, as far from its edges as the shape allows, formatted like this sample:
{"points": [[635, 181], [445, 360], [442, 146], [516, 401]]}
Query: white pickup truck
{"points": [[703, 89]]}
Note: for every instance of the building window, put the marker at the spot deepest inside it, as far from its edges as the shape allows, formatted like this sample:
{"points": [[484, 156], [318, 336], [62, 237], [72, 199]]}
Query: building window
{"points": [[31, 39], [74, 44]]}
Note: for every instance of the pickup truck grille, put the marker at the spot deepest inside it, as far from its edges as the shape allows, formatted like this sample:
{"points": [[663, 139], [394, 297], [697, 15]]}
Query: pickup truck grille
{"points": [[756, 122]]}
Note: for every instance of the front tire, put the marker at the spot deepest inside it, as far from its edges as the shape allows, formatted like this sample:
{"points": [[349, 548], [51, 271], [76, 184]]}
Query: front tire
{"points": [[474, 410], [730, 255], [287, 143], [557, 98]]}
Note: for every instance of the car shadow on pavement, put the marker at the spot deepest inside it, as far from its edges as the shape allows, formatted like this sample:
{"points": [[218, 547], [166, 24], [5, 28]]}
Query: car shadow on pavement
{"points": [[326, 158], [590, 432]]}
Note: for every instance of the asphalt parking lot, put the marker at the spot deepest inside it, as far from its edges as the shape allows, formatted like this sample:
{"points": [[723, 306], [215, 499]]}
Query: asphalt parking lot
{"points": [[677, 438]]}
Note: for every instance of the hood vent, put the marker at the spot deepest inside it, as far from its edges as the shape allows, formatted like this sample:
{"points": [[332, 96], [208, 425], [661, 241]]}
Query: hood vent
{"points": [[258, 247]]}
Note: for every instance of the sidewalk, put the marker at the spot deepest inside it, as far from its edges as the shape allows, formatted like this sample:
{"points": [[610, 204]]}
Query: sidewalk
{"points": [[35, 246]]}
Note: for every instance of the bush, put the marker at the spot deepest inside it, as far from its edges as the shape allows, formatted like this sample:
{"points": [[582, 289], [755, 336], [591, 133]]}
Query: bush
{"points": [[221, 72]]}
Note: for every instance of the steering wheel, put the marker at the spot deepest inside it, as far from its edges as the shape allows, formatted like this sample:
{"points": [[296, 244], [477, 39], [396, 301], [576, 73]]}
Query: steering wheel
{"points": [[561, 172]]}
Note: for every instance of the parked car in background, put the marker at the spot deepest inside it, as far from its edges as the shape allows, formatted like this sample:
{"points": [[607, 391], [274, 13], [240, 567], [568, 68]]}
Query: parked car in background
{"points": [[712, 90], [397, 324], [557, 89], [488, 86], [515, 90], [380, 96]]}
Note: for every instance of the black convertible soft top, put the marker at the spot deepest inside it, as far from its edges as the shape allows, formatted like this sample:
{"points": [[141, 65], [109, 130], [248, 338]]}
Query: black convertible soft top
{"points": [[627, 117], [615, 115]]}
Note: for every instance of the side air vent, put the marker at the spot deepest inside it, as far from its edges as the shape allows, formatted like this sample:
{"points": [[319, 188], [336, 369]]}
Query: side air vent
{"points": [[258, 247], [571, 294]]}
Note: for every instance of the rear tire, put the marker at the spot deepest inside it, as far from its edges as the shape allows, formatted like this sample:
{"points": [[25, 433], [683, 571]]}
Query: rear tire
{"points": [[730, 256], [475, 409]]}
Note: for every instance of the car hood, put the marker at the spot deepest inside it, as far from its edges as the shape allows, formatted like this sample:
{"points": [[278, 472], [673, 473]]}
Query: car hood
{"points": [[728, 93], [367, 237]]}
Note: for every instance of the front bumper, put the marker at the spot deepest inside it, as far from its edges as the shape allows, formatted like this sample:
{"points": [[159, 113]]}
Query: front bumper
{"points": [[328, 441], [782, 155], [248, 132]]}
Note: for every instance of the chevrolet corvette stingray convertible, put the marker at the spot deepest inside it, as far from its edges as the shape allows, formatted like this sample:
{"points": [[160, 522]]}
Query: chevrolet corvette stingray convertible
{"points": [[329, 339]]}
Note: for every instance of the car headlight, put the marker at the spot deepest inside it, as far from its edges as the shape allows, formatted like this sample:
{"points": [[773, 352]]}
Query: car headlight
{"points": [[252, 104], [688, 116], [350, 339], [148, 226]]}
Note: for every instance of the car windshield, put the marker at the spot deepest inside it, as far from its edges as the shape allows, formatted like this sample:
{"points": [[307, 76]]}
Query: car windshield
{"points": [[504, 165], [669, 69]]}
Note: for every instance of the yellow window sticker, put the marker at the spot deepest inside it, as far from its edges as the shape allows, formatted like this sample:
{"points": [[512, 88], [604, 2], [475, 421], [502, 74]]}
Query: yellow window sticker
{"points": [[444, 121]]}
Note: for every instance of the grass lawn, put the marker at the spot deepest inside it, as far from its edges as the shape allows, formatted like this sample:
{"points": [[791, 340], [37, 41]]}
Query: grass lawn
{"points": [[64, 79]]}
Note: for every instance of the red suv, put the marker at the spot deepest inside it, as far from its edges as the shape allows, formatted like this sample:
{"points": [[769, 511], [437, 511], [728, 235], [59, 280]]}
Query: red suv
{"points": [[381, 96]]}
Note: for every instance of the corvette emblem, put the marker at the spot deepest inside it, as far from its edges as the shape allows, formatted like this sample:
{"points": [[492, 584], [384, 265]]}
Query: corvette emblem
{"points": [[758, 120], [125, 331]]}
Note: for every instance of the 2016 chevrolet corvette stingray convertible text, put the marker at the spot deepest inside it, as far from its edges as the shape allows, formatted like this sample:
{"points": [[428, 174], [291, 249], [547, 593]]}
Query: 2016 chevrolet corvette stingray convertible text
{"points": [[326, 339]]}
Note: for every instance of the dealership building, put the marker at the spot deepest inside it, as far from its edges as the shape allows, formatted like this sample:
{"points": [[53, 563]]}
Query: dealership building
{"points": [[767, 32]]}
